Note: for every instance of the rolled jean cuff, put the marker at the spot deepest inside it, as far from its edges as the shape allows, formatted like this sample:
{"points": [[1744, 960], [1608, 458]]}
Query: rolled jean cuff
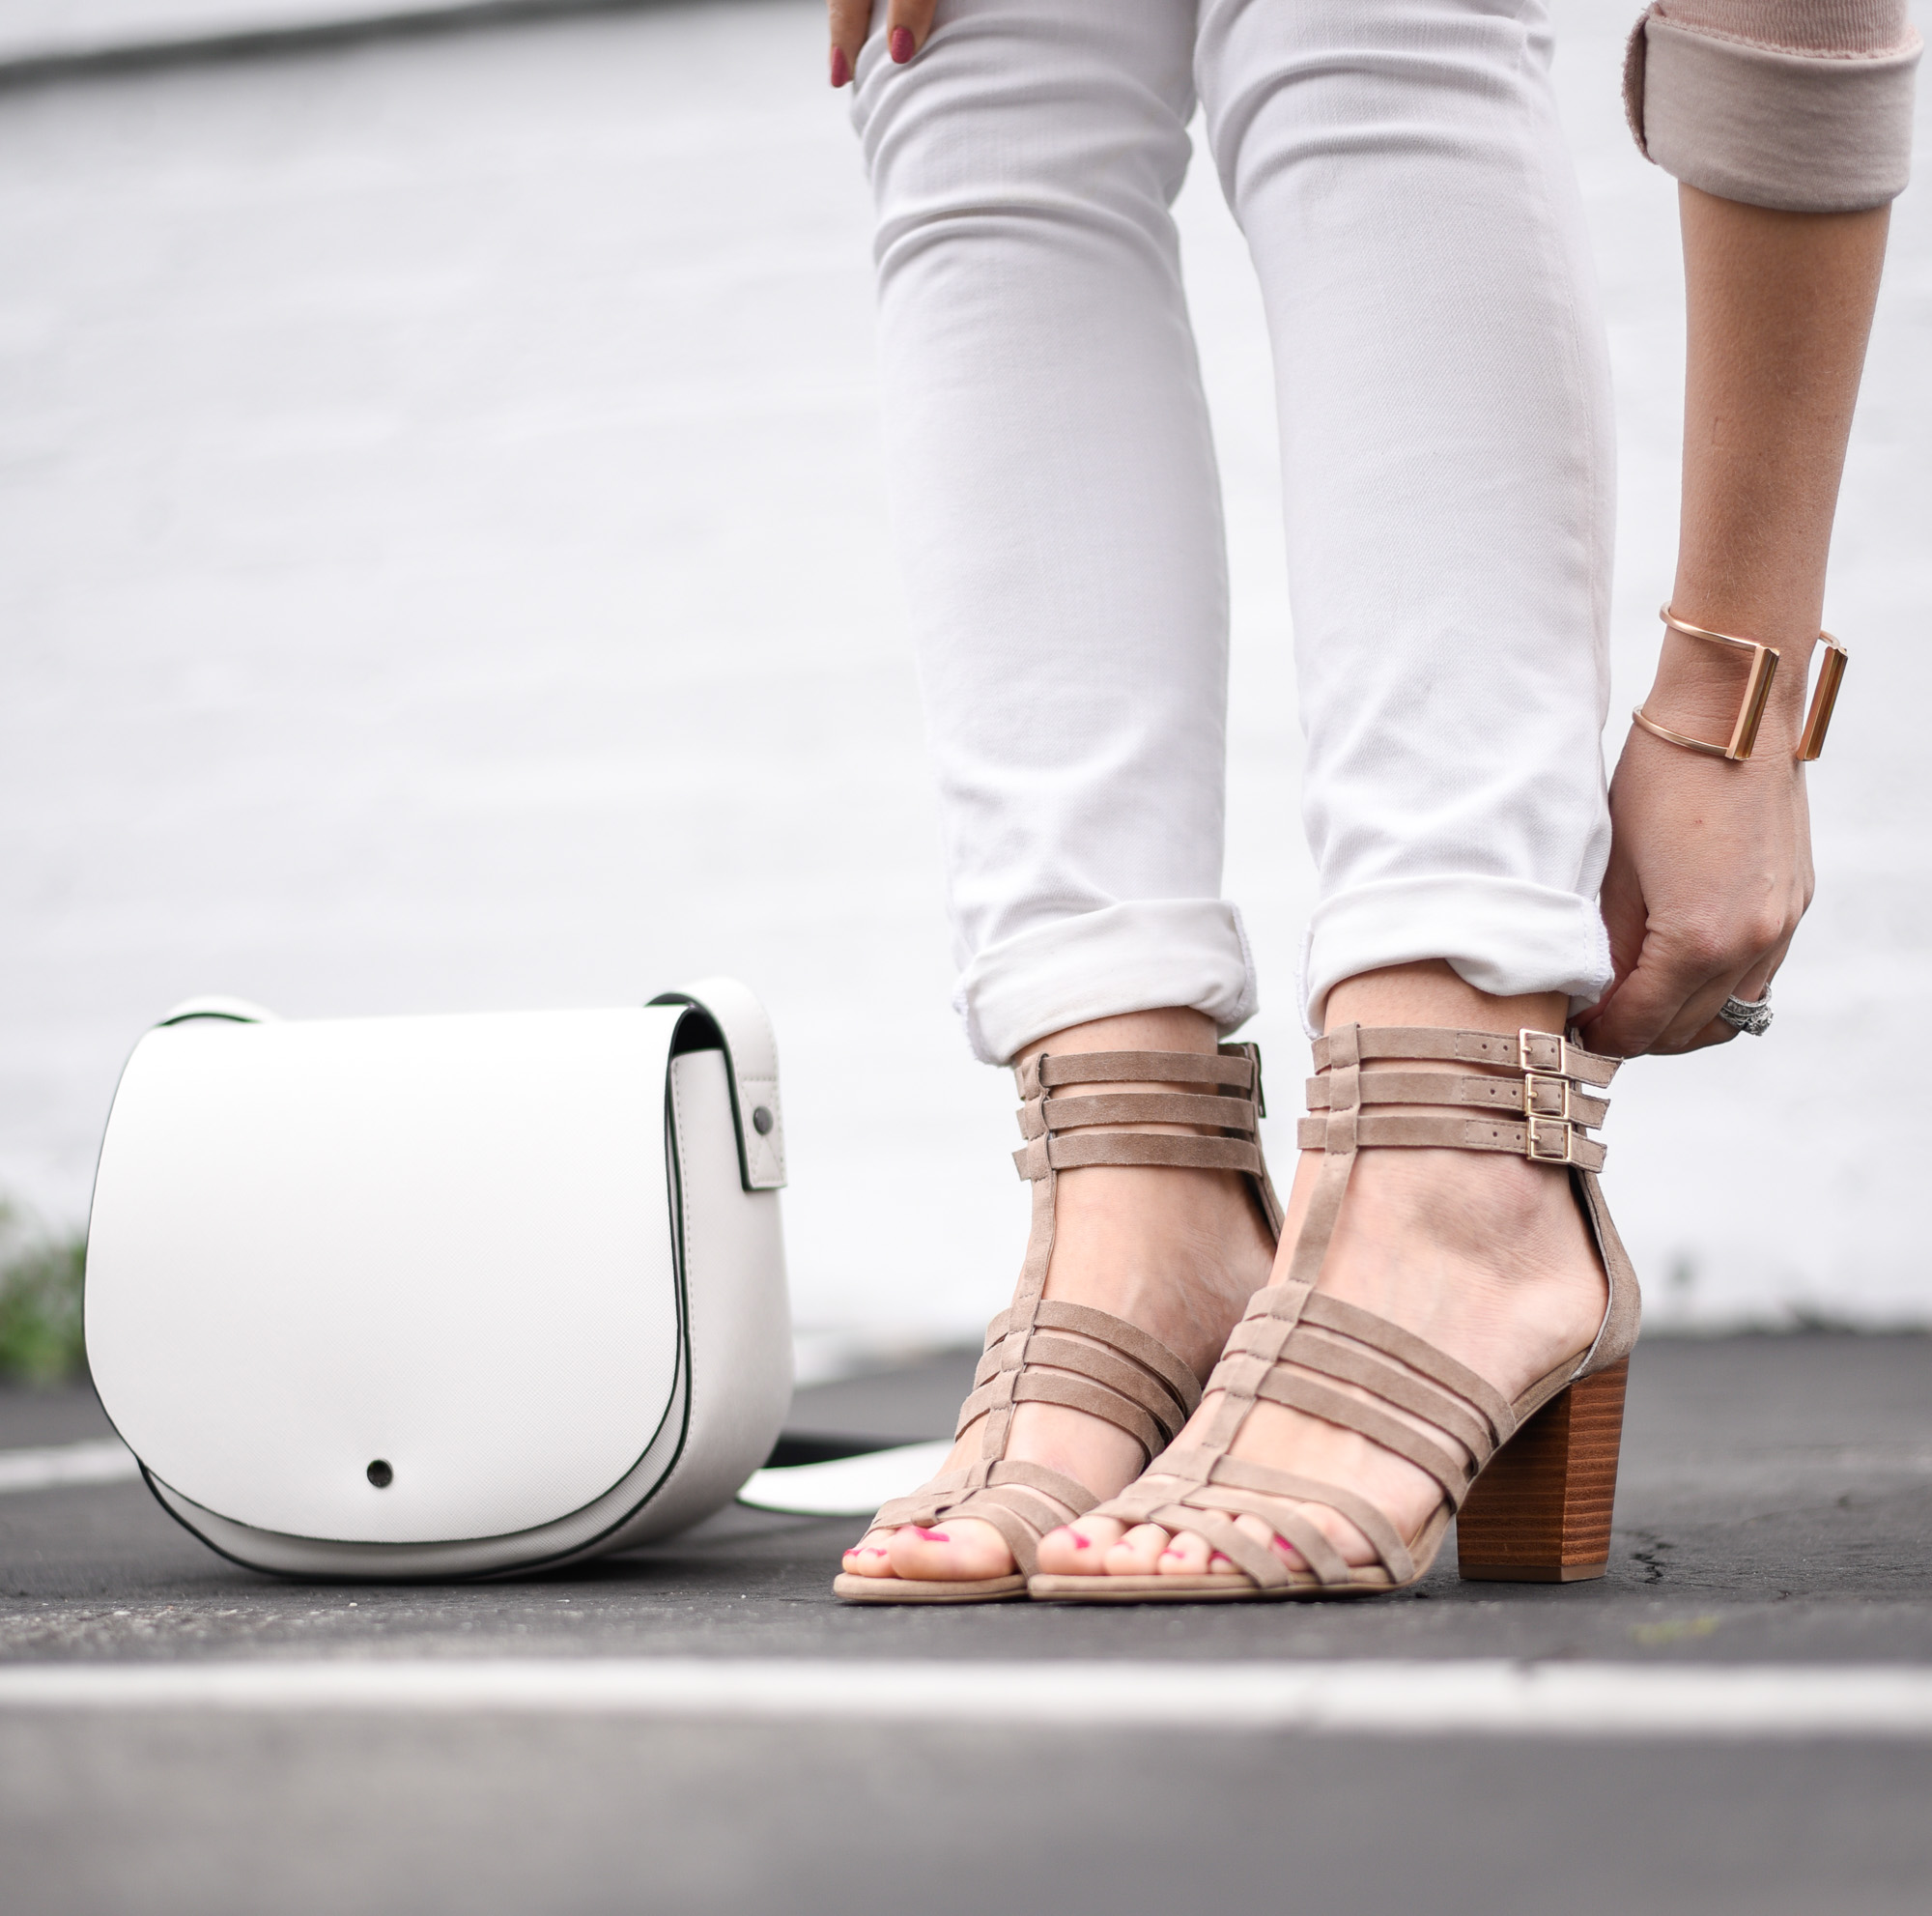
{"points": [[1503, 936], [1147, 954]]}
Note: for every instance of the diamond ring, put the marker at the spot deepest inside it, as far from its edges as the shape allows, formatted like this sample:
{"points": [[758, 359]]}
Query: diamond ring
{"points": [[1753, 1020]]}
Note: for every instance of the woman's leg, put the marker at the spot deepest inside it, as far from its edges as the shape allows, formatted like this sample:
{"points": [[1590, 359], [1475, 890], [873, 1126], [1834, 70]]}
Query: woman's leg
{"points": [[1055, 506], [1057, 514], [1447, 450], [1397, 167]]}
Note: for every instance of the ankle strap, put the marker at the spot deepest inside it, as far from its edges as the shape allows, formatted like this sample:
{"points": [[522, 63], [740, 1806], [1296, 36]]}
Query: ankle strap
{"points": [[1061, 1134], [1547, 1054], [1546, 1069], [1231, 1065], [1536, 1095], [1049, 1123]]}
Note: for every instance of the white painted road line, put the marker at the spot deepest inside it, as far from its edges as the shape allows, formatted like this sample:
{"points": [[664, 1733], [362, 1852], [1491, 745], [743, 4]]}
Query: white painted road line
{"points": [[106, 1460], [1491, 1698]]}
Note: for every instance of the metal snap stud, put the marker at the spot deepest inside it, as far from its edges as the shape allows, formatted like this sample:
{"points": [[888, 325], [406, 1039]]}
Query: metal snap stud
{"points": [[380, 1474], [761, 1120]]}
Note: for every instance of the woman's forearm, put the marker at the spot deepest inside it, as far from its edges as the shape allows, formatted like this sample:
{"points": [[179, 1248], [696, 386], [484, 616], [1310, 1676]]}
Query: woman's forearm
{"points": [[1779, 307], [1710, 863]]}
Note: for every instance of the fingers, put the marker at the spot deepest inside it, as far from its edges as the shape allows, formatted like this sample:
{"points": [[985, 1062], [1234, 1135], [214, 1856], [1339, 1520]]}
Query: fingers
{"points": [[1756, 981], [850, 21], [1750, 988], [1696, 1024], [1674, 965], [1621, 902], [1692, 1030], [1625, 915], [1668, 993], [1657, 1011], [1670, 1003], [908, 23]]}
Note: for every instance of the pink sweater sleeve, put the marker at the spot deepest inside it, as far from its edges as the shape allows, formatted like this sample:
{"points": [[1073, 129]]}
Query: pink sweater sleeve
{"points": [[1803, 105]]}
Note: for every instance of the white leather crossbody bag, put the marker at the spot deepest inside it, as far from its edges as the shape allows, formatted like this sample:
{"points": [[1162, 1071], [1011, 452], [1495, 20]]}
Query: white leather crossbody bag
{"points": [[444, 1297]]}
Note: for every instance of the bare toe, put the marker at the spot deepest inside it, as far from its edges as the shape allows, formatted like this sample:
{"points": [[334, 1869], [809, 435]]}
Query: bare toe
{"points": [[1078, 1550], [1137, 1554], [1185, 1555], [1253, 1526], [869, 1557], [960, 1549]]}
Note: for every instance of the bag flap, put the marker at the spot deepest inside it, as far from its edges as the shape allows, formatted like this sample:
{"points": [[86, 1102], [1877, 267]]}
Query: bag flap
{"points": [[438, 1246], [751, 1063]]}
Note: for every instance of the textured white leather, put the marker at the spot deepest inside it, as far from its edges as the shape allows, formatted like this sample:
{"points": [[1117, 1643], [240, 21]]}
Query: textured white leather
{"points": [[513, 1257]]}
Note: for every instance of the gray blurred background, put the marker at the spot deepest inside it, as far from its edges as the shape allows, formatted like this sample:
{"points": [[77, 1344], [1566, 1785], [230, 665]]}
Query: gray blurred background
{"points": [[445, 566]]}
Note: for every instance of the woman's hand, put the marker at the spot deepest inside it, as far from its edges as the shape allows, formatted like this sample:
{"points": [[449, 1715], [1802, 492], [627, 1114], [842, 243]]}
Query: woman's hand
{"points": [[1710, 872], [907, 25], [1711, 862]]}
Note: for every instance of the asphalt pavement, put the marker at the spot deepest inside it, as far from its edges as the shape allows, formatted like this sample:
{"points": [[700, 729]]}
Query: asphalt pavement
{"points": [[1774, 1515]]}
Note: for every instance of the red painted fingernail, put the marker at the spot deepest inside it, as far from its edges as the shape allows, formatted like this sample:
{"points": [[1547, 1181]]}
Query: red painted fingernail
{"points": [[933, 1536], [842, 69], [901, 46]]}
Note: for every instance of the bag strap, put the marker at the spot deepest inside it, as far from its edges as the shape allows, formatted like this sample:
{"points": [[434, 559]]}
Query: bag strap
{"points": [[752, 1068]]}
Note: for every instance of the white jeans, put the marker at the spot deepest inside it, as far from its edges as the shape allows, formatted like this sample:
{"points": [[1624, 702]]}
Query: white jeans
{"points": [[1441, 373]]}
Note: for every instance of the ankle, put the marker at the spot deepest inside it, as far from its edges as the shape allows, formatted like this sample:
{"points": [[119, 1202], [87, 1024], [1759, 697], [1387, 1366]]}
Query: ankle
{"points": [[1430, 993], [1177, 1249], [1172, 1029], [1497, 1212]]}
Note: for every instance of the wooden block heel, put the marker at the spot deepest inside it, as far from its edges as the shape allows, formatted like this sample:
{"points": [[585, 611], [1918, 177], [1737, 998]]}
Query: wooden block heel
{"points": [[1540, 1512]]}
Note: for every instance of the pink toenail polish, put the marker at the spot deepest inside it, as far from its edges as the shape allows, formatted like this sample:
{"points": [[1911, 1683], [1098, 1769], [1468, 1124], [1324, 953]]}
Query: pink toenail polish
{"points": [[1080, 1542], [933, 1536]]}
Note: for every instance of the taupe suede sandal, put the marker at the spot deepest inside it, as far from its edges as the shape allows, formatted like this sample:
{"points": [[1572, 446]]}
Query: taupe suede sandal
{"points": [[1533, 1480], [1107, 1368]]}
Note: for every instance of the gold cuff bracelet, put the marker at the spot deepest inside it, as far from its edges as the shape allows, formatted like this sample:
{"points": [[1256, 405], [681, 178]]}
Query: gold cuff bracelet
{"points": [[1757, 693]]}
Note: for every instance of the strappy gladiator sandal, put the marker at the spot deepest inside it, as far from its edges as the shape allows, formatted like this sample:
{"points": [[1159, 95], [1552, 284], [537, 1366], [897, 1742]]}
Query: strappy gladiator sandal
{"points": [[1533, 1480], [1119, 1372]]}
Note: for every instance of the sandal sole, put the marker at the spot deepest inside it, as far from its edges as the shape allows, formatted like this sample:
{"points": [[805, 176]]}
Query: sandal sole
{"points": [[1219, 1589], [907, 1589]]}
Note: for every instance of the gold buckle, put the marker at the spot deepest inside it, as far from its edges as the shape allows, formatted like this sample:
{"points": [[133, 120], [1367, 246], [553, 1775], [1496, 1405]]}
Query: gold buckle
{"points": [[1533, 1149], [1535, 1085], [1818, 721], [1762, 670], [1541, 1051]]}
